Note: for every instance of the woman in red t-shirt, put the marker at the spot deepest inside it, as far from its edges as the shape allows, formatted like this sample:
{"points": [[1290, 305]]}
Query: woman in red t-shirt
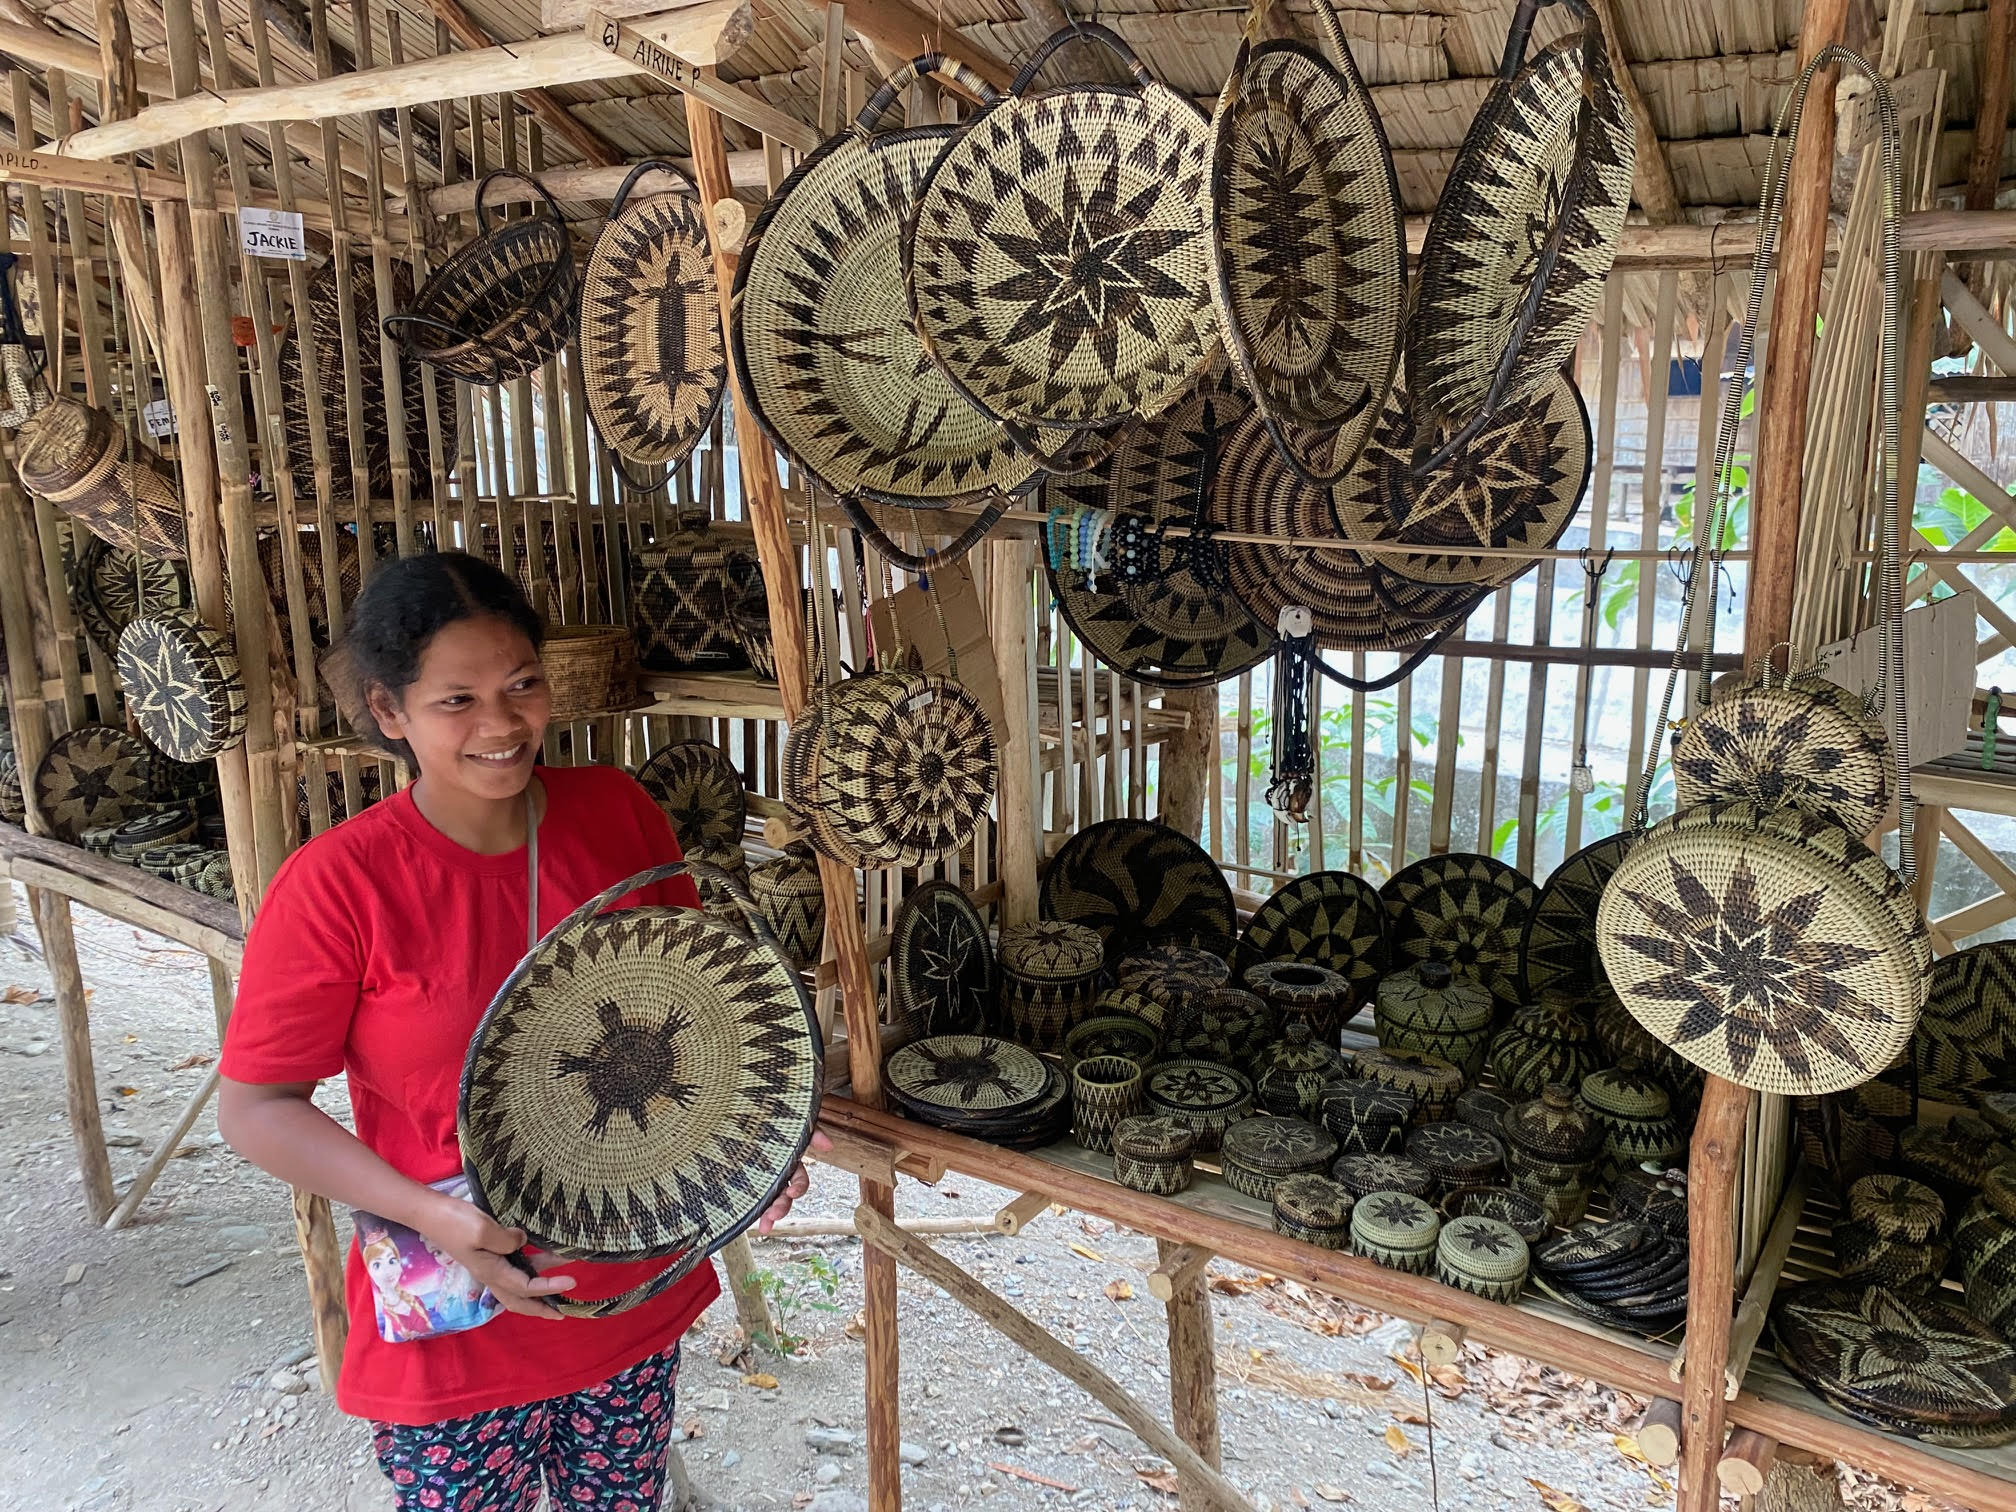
{"points": [[375, 953]]}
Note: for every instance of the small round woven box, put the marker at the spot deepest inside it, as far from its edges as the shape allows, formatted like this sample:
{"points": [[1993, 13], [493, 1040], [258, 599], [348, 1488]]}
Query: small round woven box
{"points": [[1527, 1215], [1482, 1108], [1313, 1209], [1049, 977], [1166, 974], [1151, 1153], [1112, 1034], [1456, 1154], [1432, 1082], [1431, 1010], [1367, 1119], [1998, 1189], [1635, 1113], [1396, 1229], [1896, 1207], [1362, 1175], [1294, 1076], [1549, 1042], [1228, 1025], [1863, 1254], [1257, 1152], [1209, 1098], [1484, 1256]]}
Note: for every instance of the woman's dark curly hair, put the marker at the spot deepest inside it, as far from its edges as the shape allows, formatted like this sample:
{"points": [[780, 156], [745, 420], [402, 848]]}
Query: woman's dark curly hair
{"points": [[404, 606]]}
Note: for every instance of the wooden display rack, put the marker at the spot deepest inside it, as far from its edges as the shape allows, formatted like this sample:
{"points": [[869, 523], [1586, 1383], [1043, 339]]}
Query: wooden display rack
{"points": [[1077, 740]]}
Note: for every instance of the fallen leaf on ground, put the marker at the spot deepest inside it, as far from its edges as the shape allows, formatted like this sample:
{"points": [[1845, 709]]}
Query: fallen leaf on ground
{"points": [[1508, 1369], [190, 1061], [1159, 1480], [1084, 1445], [1239, 1286], [1010, 1435], [17, 994], [1409, 1366], [857, 1326], [1450, 1380], [1369, 1382], [1332, 1493], [1030, 1476], [129, 1039], [1295, 1495], [1120, 1291], [761, 1380], [1555, 1501], [1397, 1440], [1411, 1417], [127, 1091], [1085, 1253], [1628, 1447], [695, 1429]]}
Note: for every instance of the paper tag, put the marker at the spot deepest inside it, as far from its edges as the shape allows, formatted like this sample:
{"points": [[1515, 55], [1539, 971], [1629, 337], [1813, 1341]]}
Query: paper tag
{"points": [[272, 233], [159, 418]]}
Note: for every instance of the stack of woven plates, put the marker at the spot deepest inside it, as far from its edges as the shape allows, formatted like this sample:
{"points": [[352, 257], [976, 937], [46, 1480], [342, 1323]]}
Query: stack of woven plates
{"points": [[1457, 1155], [1908, 1362], [165, 861], [1256, 1153], [1482, 1255], [1049, 977], [1395, 1229], [1891, 1233], [980, 1087], [1208, 1099], [168, 826], [1313, 1209], [1627, 1275]]}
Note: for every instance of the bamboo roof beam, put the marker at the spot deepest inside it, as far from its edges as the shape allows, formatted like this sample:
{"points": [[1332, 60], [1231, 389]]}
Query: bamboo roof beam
{"points": [[550, 112], [903, 31]]}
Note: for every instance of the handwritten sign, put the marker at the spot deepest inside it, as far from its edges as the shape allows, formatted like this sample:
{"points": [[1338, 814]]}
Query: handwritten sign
{"points": [[735, 103], [272, 233], [158, 417]]}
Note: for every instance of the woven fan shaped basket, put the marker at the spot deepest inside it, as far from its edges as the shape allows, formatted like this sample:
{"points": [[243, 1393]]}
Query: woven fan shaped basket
{"points": [[1055, 258], [896, 769], [1467, 910], [1140, 883], [500, 305], [74, 456], [1771, 742], [111, 587], [1522, 237], [1768, 947], [642, 1085], [1307, 247], [1329, 918], [941, 963], [697, 786], [1174, 629], [182, 684], [90, 777], [1966, 1042], [832, 365], [653, 364]]}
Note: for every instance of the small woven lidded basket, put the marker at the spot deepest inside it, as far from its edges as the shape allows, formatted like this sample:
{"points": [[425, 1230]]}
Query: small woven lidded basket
{"points": [[680, 590], [73, 455], [500, 305], [590, 669]]}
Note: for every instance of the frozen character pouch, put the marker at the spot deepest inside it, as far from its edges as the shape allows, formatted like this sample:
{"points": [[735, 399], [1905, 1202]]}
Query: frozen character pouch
{"points": [[418, 1289]]}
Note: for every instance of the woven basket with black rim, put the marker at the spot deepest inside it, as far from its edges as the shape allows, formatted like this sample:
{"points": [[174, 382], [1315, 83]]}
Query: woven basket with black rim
{"points": [[653, 364], [73, 455], [1055, 257], [1307, 247], [697, 786], [1966, 1041], [641, 1086], [1772, 742], [111, 587], [1140, 883], [182, 684], [1467, 910], [91, 777], [1172, 629], [1523, 234], [1769, 947], [500, 305], [941, 963], [13, 804], [680, 589], [1558, 950], [1327, 918], [964, 1075]]}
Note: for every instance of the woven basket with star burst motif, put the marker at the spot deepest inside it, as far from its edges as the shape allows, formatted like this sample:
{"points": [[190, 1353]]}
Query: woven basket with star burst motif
{"points": [[1467, 910], [182, 684], [1523, 234], [1558, 948], [697, 786], [1966, 1042], [1768, 946], [1140, 883], [652, 360], [1055, 257], [1307, 248], [91, 777], [1774, 741], [642, 1085], [941, 963], [1327, 918], [110, 588], [947, 1078]]}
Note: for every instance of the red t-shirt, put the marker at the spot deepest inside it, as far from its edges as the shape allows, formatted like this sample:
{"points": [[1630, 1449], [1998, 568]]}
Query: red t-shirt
{"points": [[377, 948]]}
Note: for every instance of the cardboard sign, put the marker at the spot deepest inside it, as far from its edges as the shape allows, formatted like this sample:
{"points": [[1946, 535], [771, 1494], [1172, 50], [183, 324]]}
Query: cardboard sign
{"points": [[964, 630], [158, 417], [272, 233]]}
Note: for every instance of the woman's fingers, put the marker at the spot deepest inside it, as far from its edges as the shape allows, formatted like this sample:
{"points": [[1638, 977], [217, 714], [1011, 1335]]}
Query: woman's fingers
{"points": [[794, 1188]]}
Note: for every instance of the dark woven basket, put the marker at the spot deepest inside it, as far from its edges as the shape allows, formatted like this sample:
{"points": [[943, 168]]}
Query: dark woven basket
{"points": [[73, 455], [503, 303], [680, 590], [314, 579]]}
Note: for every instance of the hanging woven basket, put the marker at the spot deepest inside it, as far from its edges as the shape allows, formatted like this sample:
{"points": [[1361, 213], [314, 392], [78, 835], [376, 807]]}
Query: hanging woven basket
{"points": [[653, 364], [92, 777], [1773, 740], [73, 455], [182, 684], [697, 786], [502, 304], [1767, 946], [1307, 247], [642, 1086], [680, 590], [110, 588], [1055, 258], [314, 579]]}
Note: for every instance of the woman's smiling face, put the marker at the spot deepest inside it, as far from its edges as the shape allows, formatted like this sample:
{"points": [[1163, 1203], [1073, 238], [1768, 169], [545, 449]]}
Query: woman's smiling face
{"points": [[476, 713]]}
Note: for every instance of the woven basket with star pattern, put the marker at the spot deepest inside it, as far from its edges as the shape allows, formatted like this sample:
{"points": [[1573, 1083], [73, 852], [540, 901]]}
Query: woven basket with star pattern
{"points": [[1772, 741], [182, 684]]}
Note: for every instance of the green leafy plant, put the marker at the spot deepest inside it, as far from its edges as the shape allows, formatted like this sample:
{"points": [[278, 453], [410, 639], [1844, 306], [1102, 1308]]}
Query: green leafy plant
{"points": [[806, 1284]]}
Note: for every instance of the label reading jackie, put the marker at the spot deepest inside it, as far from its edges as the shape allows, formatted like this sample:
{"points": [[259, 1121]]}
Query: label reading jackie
{"points": [[272, 233]]}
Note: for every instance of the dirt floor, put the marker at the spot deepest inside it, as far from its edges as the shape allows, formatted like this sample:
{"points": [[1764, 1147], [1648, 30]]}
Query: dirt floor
{"points": [[163, 1367]]}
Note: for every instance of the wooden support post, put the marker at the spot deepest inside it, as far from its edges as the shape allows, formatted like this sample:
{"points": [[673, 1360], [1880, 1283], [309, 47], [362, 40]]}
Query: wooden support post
{"points": [[1181, 1266], [80, 1080], [556, 117], [1188, 759], [1193, 1365], [143, 1182], [752, 1309], [1718, 1142], [1745, 1463], [881, 1234], [1658, 1432], [763, 501], [1991, 108], [977, 1227], [1441, 1343], [322, 1260], [1013, 1218], [1015, 801]]}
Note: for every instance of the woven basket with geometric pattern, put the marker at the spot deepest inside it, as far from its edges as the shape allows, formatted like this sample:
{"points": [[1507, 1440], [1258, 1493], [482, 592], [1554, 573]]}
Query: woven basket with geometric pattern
{"points": [[74, 456], [1140, 883], [941, 963], [680, 589], [1467, 910], [697, 786], [1328, 918], [182, 684], [1772, 742], [110, 588], [1966, 1041], [90, 777], [793, 902]]}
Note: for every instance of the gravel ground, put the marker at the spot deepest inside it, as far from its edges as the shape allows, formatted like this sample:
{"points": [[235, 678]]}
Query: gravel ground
{"points": [[163, 1367]]}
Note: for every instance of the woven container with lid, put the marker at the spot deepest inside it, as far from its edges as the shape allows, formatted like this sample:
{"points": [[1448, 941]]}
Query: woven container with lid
{"points": [[1551, 1146], [1313, 1209], [1361, 1175], [1485, 1256], [793, 903], [1367, 1119], [1125, 1002], [1456, 1154], [1299, 989], [1483, 1108], [1294, 1076], [1151, 1153], [1257, 1152], [1998, 1111], [1209, 1098], [1432, 1010], [1166, 976], [1049, 977], [1224, 1024], [1549, 1042], [1955, 1160], [1526, 1215], [1864, 1254], [1897, 1207], [1989, 1270], [1104, 1090], [1396, 1229], [1998, 1189], [1635, 1113], [1432, 1082], [1107, 1034], [680, 590]]}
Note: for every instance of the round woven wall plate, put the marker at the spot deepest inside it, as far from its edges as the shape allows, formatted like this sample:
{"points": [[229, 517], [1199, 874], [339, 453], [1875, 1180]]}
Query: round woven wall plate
{"points": [[1330, 919], [642, 1085], [1773, 744], [1522, 236], [1911, 1357], [91, 777], [111, 588], [1307, 248], [1558, 949], [1771, 948], [1467, 910], [182, 685], [1055, 259], [941, 964], [966, 1074], [1140, 883], [1966, 1040], [652, 359], [824, 344], [697, 786], [1172, 630]]}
